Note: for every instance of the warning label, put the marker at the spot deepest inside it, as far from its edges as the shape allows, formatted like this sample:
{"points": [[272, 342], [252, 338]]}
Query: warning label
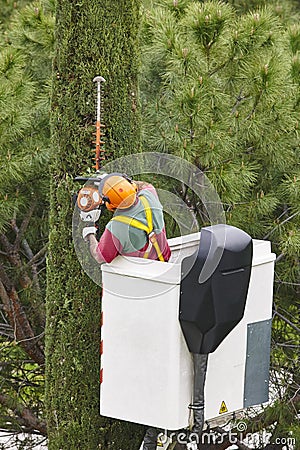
{"points": [[159, 443], [223, 408], [163, 442]]}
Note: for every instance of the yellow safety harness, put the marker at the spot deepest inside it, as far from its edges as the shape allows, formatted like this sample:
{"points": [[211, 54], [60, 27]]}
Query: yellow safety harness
{"points": [[141, 226]]}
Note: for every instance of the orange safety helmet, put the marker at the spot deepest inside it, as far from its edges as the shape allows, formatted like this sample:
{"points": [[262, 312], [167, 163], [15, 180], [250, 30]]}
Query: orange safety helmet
{"points": [[117, 191]]}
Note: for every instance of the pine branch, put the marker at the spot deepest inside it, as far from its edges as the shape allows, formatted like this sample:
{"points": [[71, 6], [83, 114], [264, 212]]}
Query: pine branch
{"points": [[15, 260], [28, 418], [257, 100], [6, 331], [286, 282], [280, 224], [29, 253], [240, 98], [14, 257], [4, 278], [23, 332], [263, 420], [38, 255], [24, 225]]}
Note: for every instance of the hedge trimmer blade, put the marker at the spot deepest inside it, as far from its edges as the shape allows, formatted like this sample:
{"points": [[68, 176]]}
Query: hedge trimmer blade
{"points": [[88, 197], [99, 151]]}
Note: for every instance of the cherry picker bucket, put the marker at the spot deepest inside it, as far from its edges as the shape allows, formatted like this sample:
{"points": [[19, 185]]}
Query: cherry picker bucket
{"points": [[146, 363]]}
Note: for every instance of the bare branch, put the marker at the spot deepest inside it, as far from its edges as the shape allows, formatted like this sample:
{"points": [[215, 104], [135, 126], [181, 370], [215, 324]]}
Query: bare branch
{"points": [[4, 278], [291, 324], [7, 331], [286, 282], [240, 98], [16, 261], [23, 332], [32, 260], [27, 416], [24, 225], [266, 419], [28, 252], [8, 247], [35, 338], [38, 255], [256, 102], [280, 224]]}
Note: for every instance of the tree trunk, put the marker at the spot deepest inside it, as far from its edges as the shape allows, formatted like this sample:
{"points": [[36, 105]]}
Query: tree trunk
{"points": [[93, 38]]}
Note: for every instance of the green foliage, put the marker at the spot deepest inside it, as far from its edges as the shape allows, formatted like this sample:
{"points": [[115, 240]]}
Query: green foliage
{"points": [[215, 76], [207, 23], [24, 156], [24, 187], [222, 91], [24, 130], [32, 33], [8, 8], [28, 387], [286, 11], [218, 89]]}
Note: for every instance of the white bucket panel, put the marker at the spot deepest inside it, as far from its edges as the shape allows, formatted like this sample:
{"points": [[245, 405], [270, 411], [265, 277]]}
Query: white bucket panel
{"points": [[145, 361], [147, 368]]}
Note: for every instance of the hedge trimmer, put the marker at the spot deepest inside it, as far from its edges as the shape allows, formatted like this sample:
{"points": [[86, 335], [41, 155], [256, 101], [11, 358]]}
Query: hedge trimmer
{"points": [[98, 150], [88, 198]]}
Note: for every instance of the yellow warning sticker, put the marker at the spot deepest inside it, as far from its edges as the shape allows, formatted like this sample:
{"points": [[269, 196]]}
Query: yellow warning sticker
{"points": [[159, 443], [223, 408]]}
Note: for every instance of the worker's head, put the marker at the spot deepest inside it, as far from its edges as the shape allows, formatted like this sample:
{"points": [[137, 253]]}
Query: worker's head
{"points": [[118, 191]]}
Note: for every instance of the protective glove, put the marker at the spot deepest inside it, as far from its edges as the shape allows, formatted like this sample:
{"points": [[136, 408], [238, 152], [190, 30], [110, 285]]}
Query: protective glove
{"points": [[87, 231], [90, 216]]}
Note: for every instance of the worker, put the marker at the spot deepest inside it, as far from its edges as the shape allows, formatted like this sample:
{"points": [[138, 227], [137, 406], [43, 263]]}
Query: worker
{"points": [[137, 227]]}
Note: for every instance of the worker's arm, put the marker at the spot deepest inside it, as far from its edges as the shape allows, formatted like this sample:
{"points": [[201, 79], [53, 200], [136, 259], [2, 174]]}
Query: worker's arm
{"points": [[108, 248], [93, 245]]}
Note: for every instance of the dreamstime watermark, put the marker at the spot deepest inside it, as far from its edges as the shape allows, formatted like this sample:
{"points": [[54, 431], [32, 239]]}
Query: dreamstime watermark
{"points": [[189, 177], [234, 435]]}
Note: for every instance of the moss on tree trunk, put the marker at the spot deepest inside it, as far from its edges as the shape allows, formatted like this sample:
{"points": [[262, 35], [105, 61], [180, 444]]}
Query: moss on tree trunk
{"points": [[93, 38]]}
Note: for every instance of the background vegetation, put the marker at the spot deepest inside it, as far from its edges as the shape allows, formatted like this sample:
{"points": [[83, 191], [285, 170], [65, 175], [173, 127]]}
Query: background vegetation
{"points": [[222, 91], [219, 86]]}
